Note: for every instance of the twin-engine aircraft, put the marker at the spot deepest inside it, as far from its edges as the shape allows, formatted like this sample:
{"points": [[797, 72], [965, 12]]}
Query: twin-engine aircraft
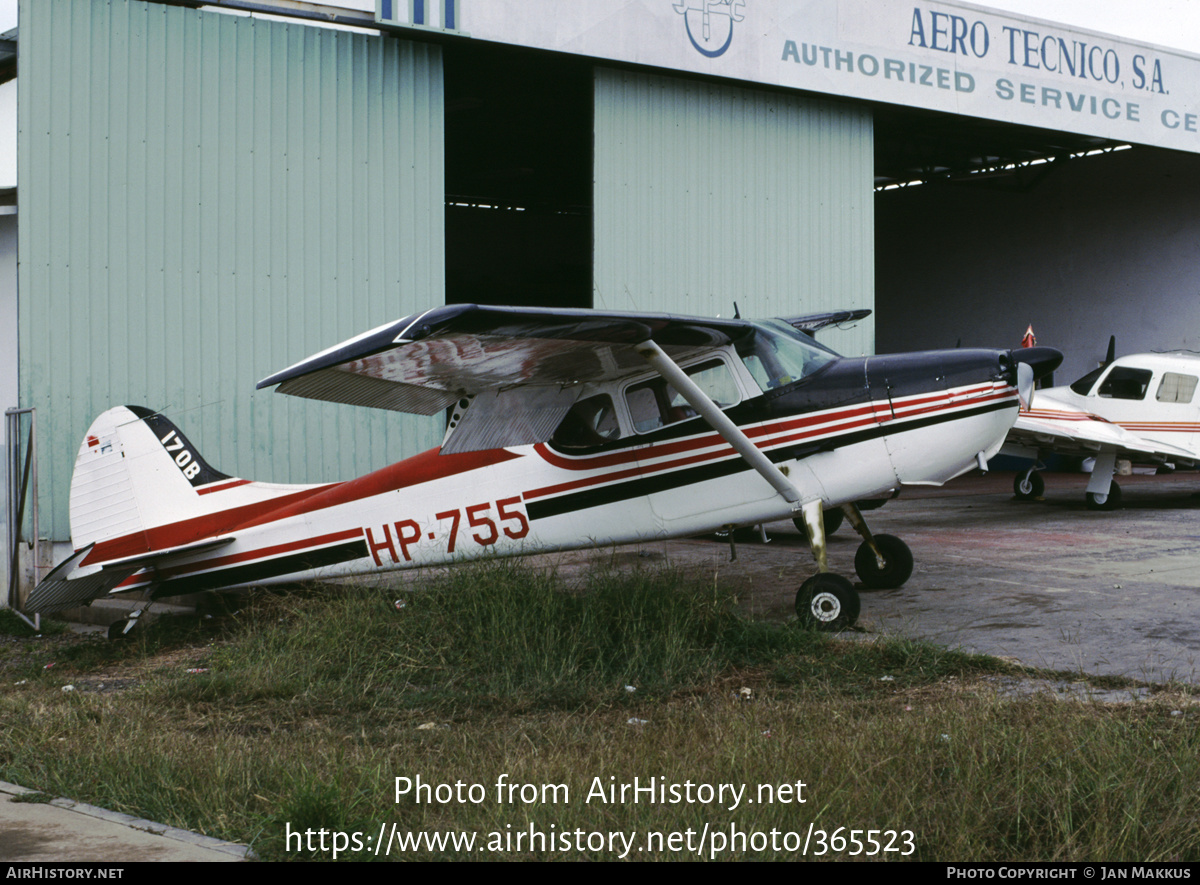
{"points": [[1140, 408], [566, 429]]}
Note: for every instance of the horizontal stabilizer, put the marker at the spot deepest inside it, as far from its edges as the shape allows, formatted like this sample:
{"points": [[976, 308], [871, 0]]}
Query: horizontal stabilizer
{"points": [[815, 322], [160, 558], [59, 590]]}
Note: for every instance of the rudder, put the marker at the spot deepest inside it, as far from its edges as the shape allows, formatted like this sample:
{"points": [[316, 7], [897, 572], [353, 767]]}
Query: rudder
{"points": [[135, 469]]}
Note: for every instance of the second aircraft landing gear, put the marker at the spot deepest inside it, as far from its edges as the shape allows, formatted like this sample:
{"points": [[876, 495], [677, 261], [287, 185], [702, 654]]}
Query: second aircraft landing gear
{"points": [[1109, 501], [1029, 485]]}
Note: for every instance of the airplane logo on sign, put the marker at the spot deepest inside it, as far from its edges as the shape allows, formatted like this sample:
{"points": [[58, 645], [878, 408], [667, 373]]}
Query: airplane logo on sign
{"points": [[709, 23]]}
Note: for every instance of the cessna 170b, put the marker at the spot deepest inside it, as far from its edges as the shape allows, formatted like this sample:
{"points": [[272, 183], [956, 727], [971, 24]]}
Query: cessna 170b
{"points": [[566, 429], [1139, 408]]}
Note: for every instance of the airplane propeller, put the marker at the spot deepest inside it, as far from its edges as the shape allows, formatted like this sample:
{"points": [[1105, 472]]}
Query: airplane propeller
{"points": [[1025, 383], [1033, 363]]}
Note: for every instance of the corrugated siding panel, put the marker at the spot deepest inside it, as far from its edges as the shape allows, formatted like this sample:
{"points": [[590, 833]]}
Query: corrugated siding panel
{"points": [[708, 194], [206, 199]]}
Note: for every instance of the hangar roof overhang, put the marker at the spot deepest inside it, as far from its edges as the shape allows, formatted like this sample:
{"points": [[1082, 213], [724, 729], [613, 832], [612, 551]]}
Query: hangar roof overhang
{"points": [[921, 69], [914, 146]]}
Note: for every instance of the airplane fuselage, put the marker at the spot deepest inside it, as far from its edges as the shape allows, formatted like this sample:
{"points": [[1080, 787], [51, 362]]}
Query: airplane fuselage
{"points": [[1150, 395], [856, 429]]}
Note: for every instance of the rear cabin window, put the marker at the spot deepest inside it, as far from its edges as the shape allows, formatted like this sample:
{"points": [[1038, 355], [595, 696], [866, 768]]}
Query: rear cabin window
{"points": [[1176, 388], [655, 403], [1126, 383], [590, 422]]}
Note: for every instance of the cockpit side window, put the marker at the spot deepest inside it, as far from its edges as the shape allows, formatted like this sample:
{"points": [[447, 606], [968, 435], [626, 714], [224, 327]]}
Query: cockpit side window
{"points": [[777, 354], [655, 403], [1176, 388], [1124, 382]]}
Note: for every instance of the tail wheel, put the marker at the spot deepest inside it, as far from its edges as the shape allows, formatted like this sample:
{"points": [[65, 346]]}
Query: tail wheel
{"points": [[827, 602], [1028, 485], [1111, 501], [897, 563]]}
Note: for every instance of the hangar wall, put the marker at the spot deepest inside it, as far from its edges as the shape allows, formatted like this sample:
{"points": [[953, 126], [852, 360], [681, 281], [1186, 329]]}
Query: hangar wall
{"points": [[1102, 245], [708, 194], [8, 315], [206, 199]]}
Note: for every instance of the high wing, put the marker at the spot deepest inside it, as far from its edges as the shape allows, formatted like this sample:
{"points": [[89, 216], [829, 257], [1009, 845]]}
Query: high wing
{"points": [[511, 374]]}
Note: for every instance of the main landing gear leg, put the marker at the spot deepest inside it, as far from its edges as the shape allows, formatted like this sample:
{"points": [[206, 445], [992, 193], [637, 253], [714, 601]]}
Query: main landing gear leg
{"points": [[1103, 493], [825, 601], [882, 562]]}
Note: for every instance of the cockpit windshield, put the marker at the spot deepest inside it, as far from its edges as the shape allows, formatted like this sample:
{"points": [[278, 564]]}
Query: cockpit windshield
{"points": [[1085, 384], [778, 354]]}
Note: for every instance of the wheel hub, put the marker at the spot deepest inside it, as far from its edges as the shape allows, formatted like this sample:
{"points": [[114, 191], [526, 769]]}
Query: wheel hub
{"points": [[826, 607]]}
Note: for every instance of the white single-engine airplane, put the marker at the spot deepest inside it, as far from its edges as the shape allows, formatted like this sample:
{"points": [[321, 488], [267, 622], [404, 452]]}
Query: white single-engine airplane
{"points": [[1140, 408], [566, 429]]}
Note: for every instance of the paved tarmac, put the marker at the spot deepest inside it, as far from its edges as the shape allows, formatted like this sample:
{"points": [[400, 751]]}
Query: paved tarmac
{"points": [[68, 831], [1048, 583]]}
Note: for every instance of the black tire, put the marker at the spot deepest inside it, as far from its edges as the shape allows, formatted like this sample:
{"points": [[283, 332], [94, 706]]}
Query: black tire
{"points": [[1029, 485], [832, 518], [116, 630], [1111, 501], [898, 563], [827, 602]]}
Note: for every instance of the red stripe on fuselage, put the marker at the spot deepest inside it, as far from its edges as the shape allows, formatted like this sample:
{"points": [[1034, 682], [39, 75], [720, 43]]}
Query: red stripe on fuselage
{"points": [[780, 433], [220, 487], [163, 574], [412, 471], [938, 399]]}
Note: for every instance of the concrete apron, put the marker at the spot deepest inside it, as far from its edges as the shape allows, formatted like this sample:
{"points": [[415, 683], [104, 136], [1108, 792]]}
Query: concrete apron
{"points": [[63, 830]]}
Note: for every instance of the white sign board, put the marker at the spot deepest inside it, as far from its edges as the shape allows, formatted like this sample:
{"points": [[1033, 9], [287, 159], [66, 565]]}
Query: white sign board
{"points": [[944, 56]]}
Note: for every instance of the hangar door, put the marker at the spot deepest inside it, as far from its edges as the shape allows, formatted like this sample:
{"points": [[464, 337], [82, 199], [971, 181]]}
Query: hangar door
{"points": [[207, 199], [707, 194]]}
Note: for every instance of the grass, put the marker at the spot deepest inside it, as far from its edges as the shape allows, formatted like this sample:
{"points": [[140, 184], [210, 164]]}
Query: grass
{"points": [[12, 625], [310, 706]]}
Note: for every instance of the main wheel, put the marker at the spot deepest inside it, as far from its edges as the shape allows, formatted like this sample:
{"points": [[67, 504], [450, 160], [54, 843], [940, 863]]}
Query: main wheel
{"points": [[116, 630], [1111, 501], [897, 563], [827, 602], [1028, 485], [832, 519]]}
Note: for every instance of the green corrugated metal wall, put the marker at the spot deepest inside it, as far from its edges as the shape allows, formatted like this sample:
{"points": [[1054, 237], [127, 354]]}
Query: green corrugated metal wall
{"points": [[708, 194], [206, 199]]}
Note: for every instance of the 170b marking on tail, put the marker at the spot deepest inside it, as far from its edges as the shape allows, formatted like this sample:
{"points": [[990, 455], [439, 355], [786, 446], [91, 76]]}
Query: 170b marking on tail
{"points": [[184, 460]]}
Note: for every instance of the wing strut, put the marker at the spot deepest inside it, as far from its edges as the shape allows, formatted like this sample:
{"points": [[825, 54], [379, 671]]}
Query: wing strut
{"points": [[700, 401]]}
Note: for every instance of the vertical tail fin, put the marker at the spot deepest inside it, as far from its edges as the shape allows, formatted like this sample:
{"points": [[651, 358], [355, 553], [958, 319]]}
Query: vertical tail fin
{"points": [[135, 469]]}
